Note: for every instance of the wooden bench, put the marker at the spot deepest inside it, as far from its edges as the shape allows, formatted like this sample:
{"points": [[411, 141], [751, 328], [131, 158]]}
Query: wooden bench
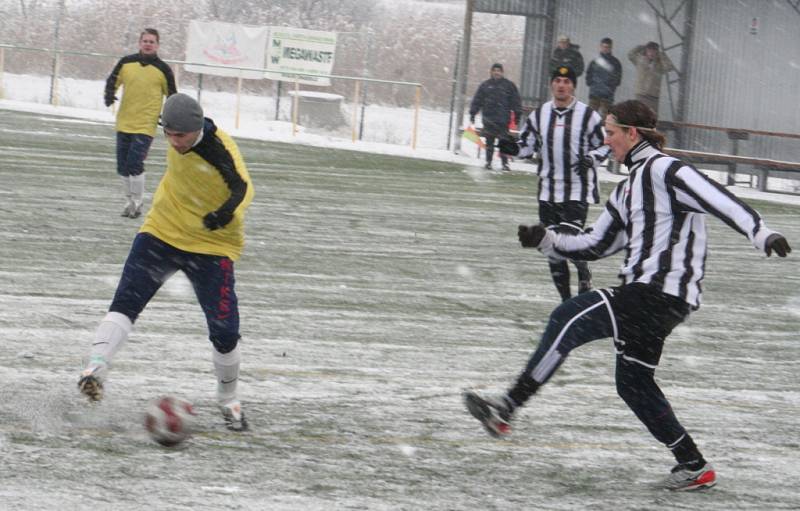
{"points": [[762, 166]]}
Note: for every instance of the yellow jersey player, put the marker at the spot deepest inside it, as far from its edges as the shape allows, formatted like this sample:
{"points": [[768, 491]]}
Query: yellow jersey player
{"points": [[145, 79], [196, 225]]}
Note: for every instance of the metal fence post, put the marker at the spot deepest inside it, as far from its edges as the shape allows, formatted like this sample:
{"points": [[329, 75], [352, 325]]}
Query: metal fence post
{"points": [[417, 101], [295, 106], [354, 121], [2, 64], [54, 80]]}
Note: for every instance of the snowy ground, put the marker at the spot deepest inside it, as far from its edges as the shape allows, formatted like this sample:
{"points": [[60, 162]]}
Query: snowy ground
{"points": [[387, 130], [373, 290]]}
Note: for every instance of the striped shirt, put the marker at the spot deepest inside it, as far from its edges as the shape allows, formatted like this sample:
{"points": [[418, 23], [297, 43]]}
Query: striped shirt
{"points": [[657, 215], [563, 137]]}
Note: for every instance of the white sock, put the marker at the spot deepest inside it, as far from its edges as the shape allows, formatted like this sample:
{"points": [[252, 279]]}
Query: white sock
{"points": [[137, 189], [112, 332], [126, 188], [226, 368]]}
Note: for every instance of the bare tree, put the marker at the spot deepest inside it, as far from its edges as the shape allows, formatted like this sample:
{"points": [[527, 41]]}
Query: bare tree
{"points": [[408, 40]]}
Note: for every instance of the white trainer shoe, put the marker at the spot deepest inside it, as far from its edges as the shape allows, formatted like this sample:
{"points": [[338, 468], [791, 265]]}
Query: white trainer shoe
{"points": [[682, 478], [233, 415]]}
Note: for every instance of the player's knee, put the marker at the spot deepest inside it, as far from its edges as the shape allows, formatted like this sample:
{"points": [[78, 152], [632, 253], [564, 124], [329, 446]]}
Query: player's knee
{"points": [[225, 342], [560, 316], [628, 392], [561, 325], [131, 311], [633, 382], [567, 311]]}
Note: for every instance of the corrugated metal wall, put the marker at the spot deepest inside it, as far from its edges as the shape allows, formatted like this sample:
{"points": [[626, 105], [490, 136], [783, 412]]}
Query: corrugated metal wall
{"points": [[535, 58], [746, 80], [629, 23], [737, 79]]}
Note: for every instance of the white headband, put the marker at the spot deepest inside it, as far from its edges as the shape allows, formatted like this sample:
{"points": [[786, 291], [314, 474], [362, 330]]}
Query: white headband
{"points": [[640, 128]]}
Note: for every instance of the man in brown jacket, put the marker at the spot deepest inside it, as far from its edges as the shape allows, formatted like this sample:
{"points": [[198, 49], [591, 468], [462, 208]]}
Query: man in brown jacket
{"points": [[651, 65]]}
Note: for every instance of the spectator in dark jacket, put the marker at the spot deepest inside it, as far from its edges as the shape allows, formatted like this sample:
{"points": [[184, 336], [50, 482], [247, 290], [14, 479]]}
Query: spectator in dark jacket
{"points": [[496, 99], [566, 54], [603, 76]]}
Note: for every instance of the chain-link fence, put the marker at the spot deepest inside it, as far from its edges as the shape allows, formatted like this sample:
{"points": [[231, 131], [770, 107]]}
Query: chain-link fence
{"points": [[70, 79]]}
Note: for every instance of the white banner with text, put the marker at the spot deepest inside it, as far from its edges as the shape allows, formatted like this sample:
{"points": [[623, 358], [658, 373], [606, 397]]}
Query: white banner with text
{"points": [[294, 53], [226, 44]]}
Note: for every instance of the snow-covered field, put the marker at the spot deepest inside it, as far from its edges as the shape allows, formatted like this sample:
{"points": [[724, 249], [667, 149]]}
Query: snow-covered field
{"points": [[387, 130], [373, 290]]}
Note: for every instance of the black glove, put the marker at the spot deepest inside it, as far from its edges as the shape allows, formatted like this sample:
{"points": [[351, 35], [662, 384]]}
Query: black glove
{"points": [[508, 146], [777, 243], [586, 163], [217, 219], [530, 236], [109, 99]]}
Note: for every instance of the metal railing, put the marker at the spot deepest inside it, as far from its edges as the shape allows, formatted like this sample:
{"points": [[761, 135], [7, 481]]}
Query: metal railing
{"points": [[761, 167], [358, 81]]}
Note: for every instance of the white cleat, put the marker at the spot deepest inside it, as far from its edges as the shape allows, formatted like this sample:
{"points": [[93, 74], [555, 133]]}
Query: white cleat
{"points": [[233, 415]]}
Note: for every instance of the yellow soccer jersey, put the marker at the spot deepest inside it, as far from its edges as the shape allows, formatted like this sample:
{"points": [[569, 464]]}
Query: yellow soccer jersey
{"points": [[145, 82], [211, 177]]}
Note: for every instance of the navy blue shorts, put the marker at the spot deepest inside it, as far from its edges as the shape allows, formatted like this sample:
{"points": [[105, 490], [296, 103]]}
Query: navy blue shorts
{"points": [[571, 212], [132, 150], [638, 317], [644, 317], [151, 262]]}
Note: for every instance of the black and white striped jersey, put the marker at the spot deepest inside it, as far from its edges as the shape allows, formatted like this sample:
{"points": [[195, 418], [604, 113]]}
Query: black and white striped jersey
{"points": [[657, 217], [563, 137]]}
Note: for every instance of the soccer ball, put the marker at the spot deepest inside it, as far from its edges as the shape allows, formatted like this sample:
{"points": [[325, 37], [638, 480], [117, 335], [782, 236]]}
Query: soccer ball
{"points": [[169, 420]]}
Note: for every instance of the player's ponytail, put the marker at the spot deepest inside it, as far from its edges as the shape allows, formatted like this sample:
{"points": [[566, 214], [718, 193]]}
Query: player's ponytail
{"points": [[635, 114]]}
